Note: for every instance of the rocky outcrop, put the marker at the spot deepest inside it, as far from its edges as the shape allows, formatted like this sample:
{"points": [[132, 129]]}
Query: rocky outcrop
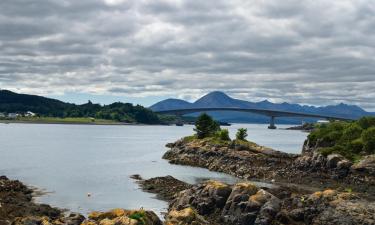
{"points": [[16, 201], [246, 204], [17, 208], [250, 161], [245, 160]]}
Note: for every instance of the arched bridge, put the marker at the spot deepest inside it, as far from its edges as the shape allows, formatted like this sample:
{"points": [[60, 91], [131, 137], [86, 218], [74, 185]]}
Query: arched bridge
{"points": [[266, 112]]}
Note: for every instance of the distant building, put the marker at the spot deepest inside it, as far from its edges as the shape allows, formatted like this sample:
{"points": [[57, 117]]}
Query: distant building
{"points": [[322, 121], [29, 114], [13, 115]]}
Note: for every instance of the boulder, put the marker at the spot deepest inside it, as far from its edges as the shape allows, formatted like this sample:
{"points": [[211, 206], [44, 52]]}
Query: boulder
{"points": [[186, 216], [206, 197], [238, 209], [367, 165], [333, 159]]}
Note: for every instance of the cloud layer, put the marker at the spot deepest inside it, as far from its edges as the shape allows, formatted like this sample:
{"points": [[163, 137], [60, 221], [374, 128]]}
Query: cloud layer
{"points": [[313, 52]]}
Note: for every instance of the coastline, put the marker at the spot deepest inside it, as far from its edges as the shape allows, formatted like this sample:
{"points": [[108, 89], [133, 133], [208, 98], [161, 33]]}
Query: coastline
{"points": [[78, 123], [263, 164]]}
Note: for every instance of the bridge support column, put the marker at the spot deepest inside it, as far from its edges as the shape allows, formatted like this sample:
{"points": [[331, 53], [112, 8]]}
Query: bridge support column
{"points": [[272, 123]]}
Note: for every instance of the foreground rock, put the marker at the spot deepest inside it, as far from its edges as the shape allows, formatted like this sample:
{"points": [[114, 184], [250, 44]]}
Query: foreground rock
{"points": [[246, 204], [250, 161], [123, 217], [16, 201], [17, 208]]}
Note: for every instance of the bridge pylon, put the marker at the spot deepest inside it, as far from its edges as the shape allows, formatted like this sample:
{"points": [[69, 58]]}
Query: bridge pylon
{"points": [[272, 123]]}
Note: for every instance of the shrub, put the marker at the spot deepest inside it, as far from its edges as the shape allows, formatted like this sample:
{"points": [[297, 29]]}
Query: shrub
{"points": [[356, 146], [223, 135], [368, 138], [241, 134], [352, 132], [366, 122], [205, 126]]}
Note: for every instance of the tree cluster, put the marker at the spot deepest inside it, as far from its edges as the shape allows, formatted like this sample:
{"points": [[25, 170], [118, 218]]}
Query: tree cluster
{"points": [[206, 126], [350, 139]]}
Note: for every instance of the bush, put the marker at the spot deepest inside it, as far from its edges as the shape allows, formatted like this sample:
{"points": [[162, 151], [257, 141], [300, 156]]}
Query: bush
{"points": [[368, 138], [205, 126], [241, 134], [366, 122], [352, 132], [356, 146], [223, 135]]}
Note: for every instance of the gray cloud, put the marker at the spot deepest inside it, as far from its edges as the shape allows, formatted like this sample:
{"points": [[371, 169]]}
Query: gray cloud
{"points": [[310, 52]]}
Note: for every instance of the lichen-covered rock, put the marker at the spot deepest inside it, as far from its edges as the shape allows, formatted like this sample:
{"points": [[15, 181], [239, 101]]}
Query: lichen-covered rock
{"points": [[238, 208], [205, 198], [187, 216], [123, 217], [72, 219]]}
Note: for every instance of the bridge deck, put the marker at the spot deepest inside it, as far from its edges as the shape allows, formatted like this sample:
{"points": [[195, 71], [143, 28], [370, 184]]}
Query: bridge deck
{"points": [[266, 112]]}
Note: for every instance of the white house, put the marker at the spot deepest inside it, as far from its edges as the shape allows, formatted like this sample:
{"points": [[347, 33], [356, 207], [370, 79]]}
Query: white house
{"points": [[29, 114]]}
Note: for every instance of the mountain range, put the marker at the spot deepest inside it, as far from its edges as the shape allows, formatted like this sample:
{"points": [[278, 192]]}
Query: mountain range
{"points": [[220, 99]]}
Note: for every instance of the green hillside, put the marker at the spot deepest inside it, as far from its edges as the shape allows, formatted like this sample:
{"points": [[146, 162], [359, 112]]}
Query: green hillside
{"points": [[11, 102]]}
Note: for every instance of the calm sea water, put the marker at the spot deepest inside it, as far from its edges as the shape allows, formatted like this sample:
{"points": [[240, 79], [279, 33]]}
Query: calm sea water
{"points": [[69, 161]]}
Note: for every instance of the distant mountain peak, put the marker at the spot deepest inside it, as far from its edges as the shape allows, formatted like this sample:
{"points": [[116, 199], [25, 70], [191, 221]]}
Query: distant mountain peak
{"points": [[170, 103], [216, 94], [215, 99]]}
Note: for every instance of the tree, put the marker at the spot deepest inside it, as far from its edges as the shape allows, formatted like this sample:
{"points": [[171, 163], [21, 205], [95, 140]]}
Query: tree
{"points": [[223, 135], [205, 126], [241, 134], [368, 138]]}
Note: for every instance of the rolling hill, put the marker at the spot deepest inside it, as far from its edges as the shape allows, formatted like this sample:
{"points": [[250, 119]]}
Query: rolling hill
{"points": [[11, 102]]}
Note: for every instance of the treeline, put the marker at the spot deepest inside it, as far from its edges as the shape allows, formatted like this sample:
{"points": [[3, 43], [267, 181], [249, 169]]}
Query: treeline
{"points": [[123, 112]]}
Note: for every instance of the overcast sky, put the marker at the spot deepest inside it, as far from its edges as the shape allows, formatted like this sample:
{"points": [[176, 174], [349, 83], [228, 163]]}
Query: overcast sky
{"points": [[314, 52]]}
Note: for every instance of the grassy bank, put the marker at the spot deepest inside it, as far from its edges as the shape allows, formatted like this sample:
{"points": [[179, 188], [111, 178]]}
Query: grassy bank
{"points": [[67, 120]]}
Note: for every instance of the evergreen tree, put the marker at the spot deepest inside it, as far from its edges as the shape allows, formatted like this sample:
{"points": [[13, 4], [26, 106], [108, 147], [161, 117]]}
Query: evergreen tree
{"points": [[241, 134], [205, 126]]}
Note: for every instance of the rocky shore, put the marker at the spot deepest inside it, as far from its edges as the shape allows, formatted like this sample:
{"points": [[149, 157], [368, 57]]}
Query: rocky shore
{"points": [[253, 162], [309, 189], [217, 203], [18, 208]]}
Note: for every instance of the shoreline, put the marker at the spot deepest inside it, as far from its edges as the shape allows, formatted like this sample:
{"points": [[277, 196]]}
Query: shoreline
{"points": [[80, 123], [257, 163]]}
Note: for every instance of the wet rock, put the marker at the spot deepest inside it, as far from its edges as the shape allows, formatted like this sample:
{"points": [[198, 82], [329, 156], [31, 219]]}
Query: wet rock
{"points": [[74, 219], [16, 201], [166, 187]]}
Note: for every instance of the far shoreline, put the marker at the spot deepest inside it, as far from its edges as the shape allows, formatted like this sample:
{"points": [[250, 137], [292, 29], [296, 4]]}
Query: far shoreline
{"points": [[78, 123]]}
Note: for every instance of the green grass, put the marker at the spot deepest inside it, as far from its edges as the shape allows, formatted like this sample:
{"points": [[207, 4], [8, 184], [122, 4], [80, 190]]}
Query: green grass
{"points": [[138, 216]]}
